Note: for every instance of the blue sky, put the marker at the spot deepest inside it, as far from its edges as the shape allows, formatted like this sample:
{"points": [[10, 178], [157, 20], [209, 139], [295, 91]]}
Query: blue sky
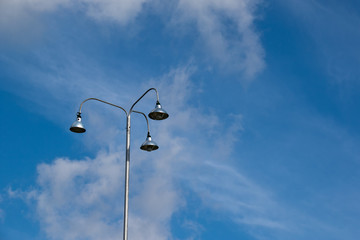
{"points": [[263, 134]]}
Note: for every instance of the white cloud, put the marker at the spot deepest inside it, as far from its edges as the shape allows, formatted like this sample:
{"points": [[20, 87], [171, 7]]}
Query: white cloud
{"points": [[227, 29], [76, 199], [83, 199], [121, 11], [223, 188], [24, 22]]}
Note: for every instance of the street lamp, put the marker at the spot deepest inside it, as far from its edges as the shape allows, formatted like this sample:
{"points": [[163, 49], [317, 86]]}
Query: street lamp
{"points": [[158, 113]]}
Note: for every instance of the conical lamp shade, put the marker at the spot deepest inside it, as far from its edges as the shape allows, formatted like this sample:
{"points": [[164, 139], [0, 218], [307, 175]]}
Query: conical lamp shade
{"points": [[149, 145], [77, 126], [158, 113]]}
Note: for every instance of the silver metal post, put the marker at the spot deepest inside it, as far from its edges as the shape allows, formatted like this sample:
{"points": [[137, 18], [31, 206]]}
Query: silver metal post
{"points": [[127, 176]]}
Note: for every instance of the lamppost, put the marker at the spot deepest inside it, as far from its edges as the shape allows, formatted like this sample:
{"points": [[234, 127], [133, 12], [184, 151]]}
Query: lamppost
{"points": [[158, 113]]}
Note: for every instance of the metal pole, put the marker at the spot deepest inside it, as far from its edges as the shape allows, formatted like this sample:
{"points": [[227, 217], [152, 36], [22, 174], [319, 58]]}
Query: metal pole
{"points": [[127, 172]]}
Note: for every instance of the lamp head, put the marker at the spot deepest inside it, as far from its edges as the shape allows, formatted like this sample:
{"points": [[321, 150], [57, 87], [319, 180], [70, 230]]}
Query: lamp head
{"points": [[77, 126], [149, 145], [158, 113]]}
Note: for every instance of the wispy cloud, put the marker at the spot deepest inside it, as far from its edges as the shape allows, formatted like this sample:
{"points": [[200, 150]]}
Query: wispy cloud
{"points": [[76, 199], [82, 199], [197, 154], [223, 188], [121, 11], [227, 28]]}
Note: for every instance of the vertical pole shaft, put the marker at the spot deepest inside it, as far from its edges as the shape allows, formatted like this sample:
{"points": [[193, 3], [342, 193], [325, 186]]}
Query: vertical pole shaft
{"points": [[127, 172]]}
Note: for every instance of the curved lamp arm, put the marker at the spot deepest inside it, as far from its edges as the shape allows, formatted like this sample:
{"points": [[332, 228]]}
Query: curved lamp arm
{"points": [[147, 121], [157, 98], [102, 102]]}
